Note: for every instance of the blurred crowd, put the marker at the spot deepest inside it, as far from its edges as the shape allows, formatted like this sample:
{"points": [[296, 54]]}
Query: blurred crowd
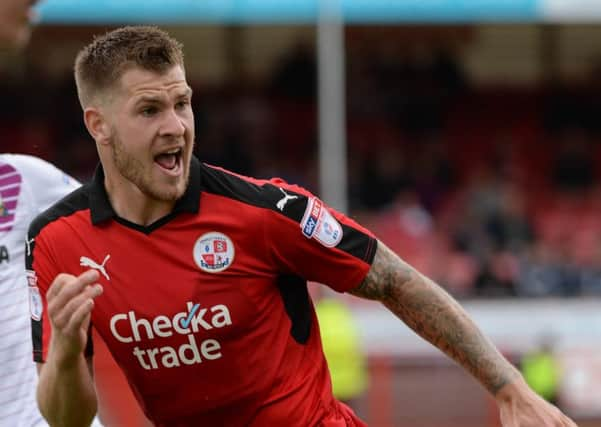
{"points": [[490, 191]]}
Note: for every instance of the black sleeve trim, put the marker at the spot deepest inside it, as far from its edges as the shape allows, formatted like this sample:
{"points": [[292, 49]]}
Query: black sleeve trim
{"points": [[36, 336], [358, 244]]}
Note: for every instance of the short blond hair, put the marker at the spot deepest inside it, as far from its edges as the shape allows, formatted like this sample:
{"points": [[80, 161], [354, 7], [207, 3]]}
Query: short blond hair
{"points": [[100, 64]]}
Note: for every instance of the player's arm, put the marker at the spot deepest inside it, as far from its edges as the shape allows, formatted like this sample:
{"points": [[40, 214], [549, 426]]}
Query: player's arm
{"points": [[433, 314], [60, 407], [65, 393]]}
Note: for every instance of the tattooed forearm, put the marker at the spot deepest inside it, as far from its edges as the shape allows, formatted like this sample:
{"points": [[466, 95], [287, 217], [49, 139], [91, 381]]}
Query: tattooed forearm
{"points": [[387, 271], [435, 316]]}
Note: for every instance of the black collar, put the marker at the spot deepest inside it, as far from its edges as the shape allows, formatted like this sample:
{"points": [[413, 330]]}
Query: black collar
{"points": [[100, 205]]}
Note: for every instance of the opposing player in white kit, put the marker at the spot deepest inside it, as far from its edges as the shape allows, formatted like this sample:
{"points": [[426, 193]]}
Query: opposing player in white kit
{"points": [[28, 185]]}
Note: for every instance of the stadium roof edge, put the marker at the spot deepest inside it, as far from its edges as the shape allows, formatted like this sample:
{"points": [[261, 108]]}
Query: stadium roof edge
{"points": [[79, 12]]}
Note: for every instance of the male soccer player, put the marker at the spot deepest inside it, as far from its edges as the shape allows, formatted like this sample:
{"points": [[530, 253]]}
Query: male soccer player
{"points": [[195, 277]]}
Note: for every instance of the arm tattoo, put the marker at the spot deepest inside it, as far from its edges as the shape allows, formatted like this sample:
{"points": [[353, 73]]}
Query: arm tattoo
{"points": [[433, 314]]}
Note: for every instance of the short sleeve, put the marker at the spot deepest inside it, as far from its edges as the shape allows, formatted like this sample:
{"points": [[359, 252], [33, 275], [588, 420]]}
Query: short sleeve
{"points": [[47, 184], [304, 236], [41, 269]]}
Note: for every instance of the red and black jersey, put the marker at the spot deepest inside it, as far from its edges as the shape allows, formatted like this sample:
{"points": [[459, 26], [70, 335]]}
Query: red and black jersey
{"points": [[206, 311]]}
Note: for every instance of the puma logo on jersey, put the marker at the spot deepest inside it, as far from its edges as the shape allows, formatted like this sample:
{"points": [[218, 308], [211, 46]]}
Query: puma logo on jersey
{"points": [[29, 242], [281, 204], [87, 262]]}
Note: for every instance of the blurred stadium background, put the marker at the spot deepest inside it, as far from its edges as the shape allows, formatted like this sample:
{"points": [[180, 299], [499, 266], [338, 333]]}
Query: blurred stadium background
{"points": [[469, 141]]}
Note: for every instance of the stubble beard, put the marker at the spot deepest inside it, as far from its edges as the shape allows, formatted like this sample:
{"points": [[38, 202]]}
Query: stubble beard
{"points": [[133, 170]]}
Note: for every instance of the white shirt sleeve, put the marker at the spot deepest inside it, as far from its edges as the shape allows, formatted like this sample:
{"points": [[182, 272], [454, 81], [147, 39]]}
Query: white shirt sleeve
{"points": [[45, 182], [28, 186]]}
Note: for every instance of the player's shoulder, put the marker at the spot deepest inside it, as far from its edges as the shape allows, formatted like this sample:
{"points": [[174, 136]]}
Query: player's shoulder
{"points": [[76, 201], [27, 164], [274, 193], [217, 180], [38, 173]]}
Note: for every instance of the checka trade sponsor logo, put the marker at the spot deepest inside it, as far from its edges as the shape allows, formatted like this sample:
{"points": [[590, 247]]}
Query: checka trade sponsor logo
{"points": [[129, 328]]}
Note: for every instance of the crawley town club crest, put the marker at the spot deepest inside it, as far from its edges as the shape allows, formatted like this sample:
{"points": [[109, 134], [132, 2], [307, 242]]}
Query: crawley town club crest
{"points": [[213, 252]]}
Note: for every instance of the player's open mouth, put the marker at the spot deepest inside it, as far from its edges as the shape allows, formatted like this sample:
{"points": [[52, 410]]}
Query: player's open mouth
{"points": [[170, 161]]}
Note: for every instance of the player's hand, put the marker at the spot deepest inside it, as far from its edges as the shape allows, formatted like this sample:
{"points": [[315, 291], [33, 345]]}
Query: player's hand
{"points": [[521, 407], [70, 301]]}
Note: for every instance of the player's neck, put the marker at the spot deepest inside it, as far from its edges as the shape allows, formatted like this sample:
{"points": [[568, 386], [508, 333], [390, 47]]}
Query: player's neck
{"points": [[133, 205]]}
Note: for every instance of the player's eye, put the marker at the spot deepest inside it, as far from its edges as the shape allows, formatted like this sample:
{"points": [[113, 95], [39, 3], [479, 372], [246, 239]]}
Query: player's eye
{"points": [[182, 104], [149, 111]]}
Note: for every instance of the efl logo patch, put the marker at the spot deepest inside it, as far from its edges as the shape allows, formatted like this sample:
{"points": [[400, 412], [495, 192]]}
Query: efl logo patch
{"points": [[36, 307], [32, 278], [320, 224], [213, 252], [312, 214]]}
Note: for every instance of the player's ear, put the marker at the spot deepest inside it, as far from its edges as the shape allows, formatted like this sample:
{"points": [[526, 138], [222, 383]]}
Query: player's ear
{"points": [[97, 125]]}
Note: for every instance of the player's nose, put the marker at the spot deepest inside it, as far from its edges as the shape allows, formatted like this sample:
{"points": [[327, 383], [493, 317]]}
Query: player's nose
{"points": [[173, 124]]}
